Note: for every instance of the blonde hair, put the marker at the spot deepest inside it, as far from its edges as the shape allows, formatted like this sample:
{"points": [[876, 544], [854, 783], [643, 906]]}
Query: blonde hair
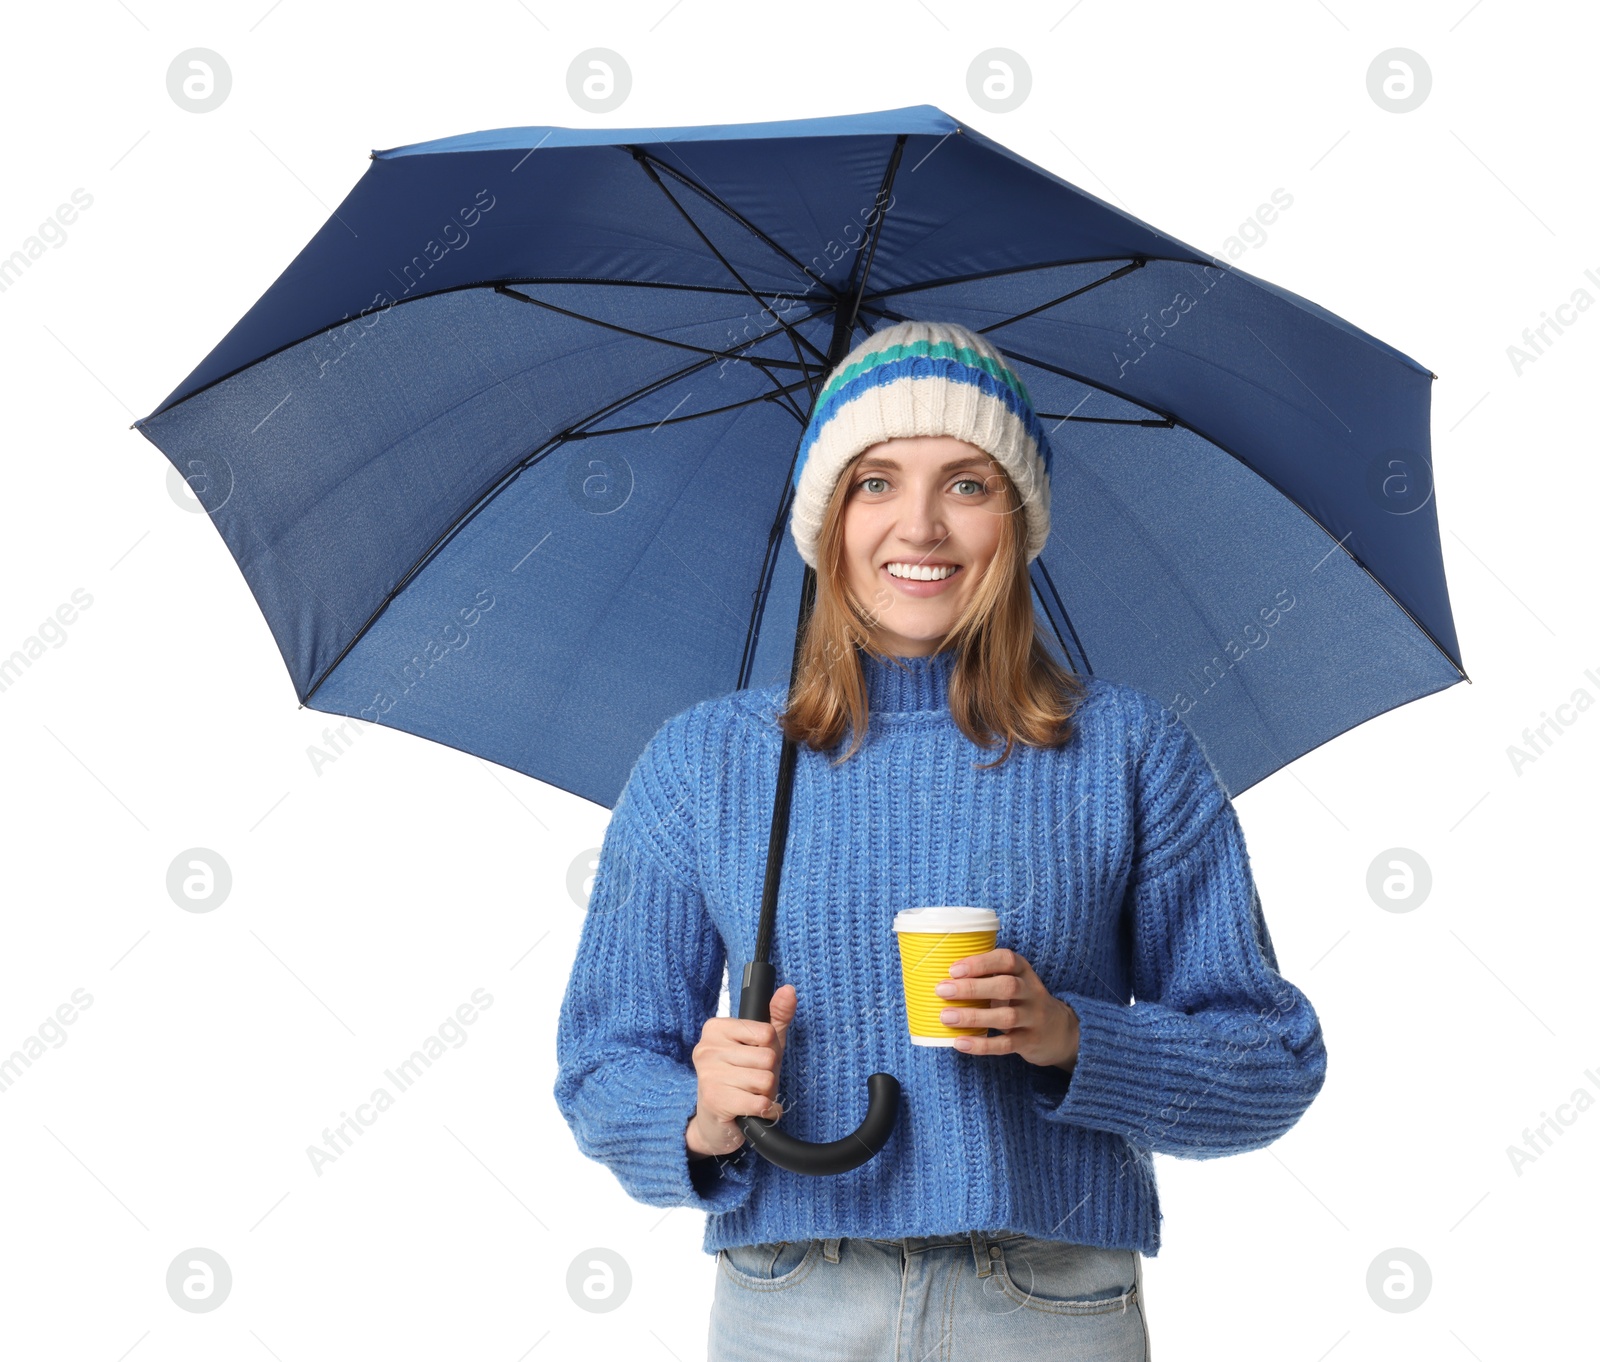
{"points": [[1004, 685]]}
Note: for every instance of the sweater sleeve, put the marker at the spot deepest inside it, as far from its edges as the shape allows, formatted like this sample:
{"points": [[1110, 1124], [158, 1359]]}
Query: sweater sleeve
{"points": [[1217, 1053], [647, 975]]}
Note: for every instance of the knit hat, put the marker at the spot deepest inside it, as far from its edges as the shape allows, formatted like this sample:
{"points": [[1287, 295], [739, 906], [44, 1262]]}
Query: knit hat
{"points": [[921, 378]]}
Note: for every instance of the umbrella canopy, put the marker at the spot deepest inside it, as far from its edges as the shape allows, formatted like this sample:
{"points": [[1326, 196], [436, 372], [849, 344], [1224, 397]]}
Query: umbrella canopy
{"points": [[506, 453]]}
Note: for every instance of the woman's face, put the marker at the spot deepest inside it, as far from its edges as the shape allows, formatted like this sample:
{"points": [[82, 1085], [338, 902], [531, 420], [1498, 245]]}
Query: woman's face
{"points": [[929, 502]]}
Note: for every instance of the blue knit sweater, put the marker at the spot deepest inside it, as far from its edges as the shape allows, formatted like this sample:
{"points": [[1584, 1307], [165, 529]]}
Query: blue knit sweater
{"points": [[1118, 868]]}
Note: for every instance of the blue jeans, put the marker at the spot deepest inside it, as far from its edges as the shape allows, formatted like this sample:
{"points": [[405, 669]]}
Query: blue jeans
{"points": [[950, 1298]]}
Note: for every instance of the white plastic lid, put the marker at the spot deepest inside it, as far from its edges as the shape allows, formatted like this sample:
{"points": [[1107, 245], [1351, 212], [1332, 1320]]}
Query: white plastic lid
{"points": [[947, 919]]}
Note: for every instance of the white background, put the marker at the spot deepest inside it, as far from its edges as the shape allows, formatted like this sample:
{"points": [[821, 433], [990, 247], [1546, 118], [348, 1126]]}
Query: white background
{"points": [[369, 900]]}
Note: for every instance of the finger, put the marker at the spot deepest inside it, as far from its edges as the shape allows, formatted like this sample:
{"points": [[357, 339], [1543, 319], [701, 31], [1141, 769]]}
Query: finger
{"points": [[737, 1102], [753, 1081], [988, 986], [985, 1045], [746, 1032], [749, 1057], [785, 1002], [1001, 961], [1000, 1018]]}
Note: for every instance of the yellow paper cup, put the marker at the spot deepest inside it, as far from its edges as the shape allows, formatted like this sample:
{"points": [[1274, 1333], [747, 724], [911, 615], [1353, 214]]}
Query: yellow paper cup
{"points": [[930, 940]]}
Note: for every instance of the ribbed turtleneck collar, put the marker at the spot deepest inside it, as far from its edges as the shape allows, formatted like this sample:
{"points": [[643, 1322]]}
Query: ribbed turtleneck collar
{"points": [[907, 685]]}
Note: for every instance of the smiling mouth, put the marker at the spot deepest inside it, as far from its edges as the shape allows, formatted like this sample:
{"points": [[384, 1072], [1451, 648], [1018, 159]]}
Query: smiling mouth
{"points": [[917, 572]]}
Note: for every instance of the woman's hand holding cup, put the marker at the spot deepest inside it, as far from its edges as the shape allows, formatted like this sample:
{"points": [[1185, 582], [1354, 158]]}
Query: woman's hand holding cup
{"points": [[736, 1062], [1036, 1024]]}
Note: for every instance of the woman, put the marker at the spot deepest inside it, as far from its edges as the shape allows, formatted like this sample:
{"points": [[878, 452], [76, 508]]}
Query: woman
{"points": [[1012, 1204]]}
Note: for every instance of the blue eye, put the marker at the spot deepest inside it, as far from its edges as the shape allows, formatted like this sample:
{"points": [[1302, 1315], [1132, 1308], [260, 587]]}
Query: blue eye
{"points": [[979, 483]]}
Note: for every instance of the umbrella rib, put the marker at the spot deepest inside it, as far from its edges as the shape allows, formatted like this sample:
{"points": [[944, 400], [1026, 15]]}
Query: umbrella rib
{"points": [[769, 569], [784, 396], [790, 404], [769, 559], [645, 162], [640, 154], [980, 275], [760, 364], [566, 279], [1157, 422], [1170, 420], [1137, 263], [694, 415], [492, 489], [1061, 605], [348, 320], [507, 292], [574, 428], [1167, 417], [1174, 420]]}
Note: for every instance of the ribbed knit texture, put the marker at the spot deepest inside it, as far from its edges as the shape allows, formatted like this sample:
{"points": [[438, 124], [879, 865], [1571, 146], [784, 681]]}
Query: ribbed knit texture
{"points": [[1119, 870]]}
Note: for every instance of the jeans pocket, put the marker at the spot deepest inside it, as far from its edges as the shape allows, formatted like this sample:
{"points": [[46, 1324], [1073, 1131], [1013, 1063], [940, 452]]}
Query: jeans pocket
{"points": [[1067, 1279], [769, 1267]]}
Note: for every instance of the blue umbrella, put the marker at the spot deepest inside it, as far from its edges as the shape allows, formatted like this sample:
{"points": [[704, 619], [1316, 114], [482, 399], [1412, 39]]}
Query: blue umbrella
{"points": [[506, 453]]}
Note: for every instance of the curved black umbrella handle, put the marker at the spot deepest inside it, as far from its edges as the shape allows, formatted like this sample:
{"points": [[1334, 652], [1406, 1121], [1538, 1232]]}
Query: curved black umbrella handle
{"points": [[801, 1156]]}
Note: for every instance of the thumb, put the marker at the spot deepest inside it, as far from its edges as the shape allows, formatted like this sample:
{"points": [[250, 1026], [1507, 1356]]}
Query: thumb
{"points": [[784, 1004]]}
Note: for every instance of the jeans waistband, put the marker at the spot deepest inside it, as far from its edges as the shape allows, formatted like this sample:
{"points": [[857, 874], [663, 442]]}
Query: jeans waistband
{"points": [[984, 1245]]}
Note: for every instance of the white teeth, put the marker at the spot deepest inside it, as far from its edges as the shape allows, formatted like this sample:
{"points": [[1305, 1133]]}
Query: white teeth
{"points": [[918, 573]]}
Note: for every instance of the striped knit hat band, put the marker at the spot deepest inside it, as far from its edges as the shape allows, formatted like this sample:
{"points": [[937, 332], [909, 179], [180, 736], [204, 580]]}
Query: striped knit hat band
{"points": [[915, 379]]}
